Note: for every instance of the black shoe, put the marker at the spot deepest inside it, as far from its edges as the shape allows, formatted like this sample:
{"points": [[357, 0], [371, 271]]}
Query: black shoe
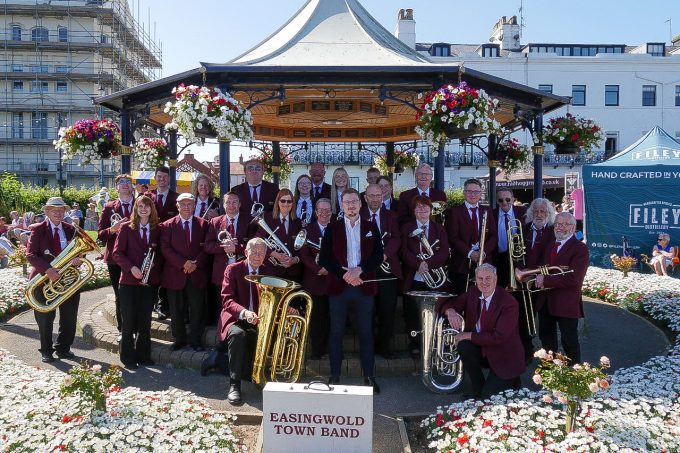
{"points": [[47, 358], [65, 354], [147, 362], [130, 366], [234, 395], [334, 380], [370, 381], [210, 362], [197, 347], [177, 346]]}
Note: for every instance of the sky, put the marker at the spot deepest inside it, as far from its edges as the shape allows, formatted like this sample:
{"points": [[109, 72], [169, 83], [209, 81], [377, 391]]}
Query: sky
{"points": [[216, 31]]}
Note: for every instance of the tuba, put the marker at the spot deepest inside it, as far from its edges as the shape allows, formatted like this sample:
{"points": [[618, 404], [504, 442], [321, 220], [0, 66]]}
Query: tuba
{"points": [[442, 368], [281, 337], [71, 279], [272, 240], [434, 278]]}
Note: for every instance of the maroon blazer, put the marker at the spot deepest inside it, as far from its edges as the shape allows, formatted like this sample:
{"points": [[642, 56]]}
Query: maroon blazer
{"points": [[268, 193], [212, 245], [130, 250], [40, 240], [236, 295], [564, 294], [389, 224], [312, 282], [176, 252], [104, 234], [406, 199], [534, 252], [295, 271], [460, 231], [169, 209], [325, 192], [334, 256], [499, 335], [410, 249]]}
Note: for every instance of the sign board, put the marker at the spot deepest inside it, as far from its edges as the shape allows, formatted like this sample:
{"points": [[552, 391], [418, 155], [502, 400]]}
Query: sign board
{"points": [[571, 182], [300, 418]]}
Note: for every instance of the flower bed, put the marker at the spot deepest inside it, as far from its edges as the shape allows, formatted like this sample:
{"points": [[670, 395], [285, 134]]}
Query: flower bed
{"points": [[35, 418], [13, 285], [639, 411]]}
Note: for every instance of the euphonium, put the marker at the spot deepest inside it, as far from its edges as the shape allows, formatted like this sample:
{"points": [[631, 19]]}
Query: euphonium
{"points": [[147, 264], [71, 279], [442, 370], [272, 240], [287, 349], [516, 254], [434, 278]]}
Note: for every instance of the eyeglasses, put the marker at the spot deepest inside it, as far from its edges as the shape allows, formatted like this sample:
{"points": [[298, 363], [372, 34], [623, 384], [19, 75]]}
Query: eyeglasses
{"points": [[423, 174], [562, 225], [351, 202], [286, 201], [473, 192], [123, 181], [254, 168], [507, 200], [323, 211]]}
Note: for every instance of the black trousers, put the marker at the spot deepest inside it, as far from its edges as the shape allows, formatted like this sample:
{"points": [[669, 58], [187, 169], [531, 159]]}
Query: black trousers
{"points": [[136, 305], [412, 319], [503, 268], [385, 309], [547, 332], [114, 273], [213, 304], [319, 325], [351, 299], [458, 282], [68, 313], [193, 299], [163, 304], [240, 347], [473, 366]]}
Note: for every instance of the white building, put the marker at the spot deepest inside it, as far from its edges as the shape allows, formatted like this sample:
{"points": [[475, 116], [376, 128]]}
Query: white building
{"points": [[57, 56]]}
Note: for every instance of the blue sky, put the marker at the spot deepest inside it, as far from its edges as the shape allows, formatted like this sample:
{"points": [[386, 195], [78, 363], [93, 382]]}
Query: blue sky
{"points": [[216, 31]]}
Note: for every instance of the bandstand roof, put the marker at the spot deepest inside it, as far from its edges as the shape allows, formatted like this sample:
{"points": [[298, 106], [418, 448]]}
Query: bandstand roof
{"points": [[331, 73]]}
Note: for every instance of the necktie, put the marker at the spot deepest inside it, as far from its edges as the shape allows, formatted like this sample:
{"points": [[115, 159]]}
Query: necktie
{"points": [[503, 238], [254, 196], [553, 253], [230, 227], [482, 313], [160, 202], [285, 225], [145, 237], [56, 242], [126, 210], [475, 226], [539, 236], [200, 214], [507, 222], [373, 217], [187, 233], [317, 191], [304, 209], [424, 194], [253, 294]]}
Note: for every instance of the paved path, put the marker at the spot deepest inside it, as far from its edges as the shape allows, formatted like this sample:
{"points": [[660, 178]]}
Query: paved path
{"points": [[625, 338]]}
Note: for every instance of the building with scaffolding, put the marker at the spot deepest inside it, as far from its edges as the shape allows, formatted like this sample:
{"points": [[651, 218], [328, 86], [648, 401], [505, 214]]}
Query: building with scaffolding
{"points": [[56, 57]]}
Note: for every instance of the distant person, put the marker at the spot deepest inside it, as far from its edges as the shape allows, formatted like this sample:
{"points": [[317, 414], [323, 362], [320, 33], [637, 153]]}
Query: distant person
{"points": [[662, 255], [91, 217]]}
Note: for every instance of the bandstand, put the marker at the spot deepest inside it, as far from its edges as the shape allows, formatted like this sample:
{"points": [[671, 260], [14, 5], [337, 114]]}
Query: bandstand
{"points": [[333, 74]]}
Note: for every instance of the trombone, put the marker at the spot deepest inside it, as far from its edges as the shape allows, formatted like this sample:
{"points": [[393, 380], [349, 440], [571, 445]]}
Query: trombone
{"points": [[517, 253], [480, 261]]}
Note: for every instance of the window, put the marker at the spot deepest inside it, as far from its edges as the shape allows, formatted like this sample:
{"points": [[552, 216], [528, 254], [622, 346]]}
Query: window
{"points": [[104, 39], [62, 86], [546, 88], [62, 33], [17, 68], [578, 95], [656, 49], [611, 95], [648, 95], [39, 34], [440, 50], [16, 32], [18, 85], [677, 95], [611, 144], [38, 86], [61, 69], [490, 51], [40, 68], [17, 125], [39, 125]]}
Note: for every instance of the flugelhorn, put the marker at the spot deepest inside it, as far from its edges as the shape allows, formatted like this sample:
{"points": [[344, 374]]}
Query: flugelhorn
{"points": [[523, 275], [516, 254], [442, 368], [434, 278], [272, 240]]}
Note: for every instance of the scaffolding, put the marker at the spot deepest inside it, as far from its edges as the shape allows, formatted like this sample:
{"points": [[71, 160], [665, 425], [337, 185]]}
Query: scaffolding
{"points": [[55, 57]]}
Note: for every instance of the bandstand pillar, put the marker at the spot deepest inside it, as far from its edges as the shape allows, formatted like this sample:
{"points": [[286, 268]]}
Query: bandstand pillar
{"points": [[439, 163], [125, 134], [172, 161], [538, 150], [224, 168], [276, 162], [492, 159], [389, 159]]}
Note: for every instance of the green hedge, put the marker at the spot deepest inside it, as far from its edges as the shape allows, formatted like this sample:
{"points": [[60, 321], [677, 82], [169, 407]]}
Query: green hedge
{"points": [[454, 197], [16, 196]]}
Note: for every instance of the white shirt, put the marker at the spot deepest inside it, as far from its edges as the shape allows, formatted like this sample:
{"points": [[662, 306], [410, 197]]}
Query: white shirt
{"points": [[561, 243], [353, 243], [62, 236], [424, 193], [182, 224], [287, 224], [469, 207], [487, 303], [322, 229], [388, 203], [129, 204], [227, 221], [197, 208], [250, 294], [148, 231], [258, 190]]}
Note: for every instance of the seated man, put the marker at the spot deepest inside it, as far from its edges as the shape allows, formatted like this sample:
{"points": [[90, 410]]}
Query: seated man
{"points": [[491, 335]]}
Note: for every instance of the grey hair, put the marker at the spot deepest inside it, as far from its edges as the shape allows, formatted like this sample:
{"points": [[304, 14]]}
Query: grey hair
{"points": [[529, 216], [568, 215], [255, 242], [485, 267], [665, 236], [323, 200], [423, 165]]}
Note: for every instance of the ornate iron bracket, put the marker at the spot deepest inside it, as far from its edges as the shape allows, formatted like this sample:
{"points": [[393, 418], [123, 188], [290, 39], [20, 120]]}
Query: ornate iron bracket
{"points": [[401, 95]]}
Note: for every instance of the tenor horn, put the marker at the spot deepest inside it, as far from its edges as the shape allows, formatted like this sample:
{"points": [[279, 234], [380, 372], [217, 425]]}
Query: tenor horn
{"points": [[434, 278], [442, 368], [281, 337], [272, 240], [523, 275]]}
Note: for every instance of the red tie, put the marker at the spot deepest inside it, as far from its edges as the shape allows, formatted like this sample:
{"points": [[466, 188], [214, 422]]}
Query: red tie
{"points": [[553, 254], [145, 237], [230, 228], [475, 226], [304, 209], [200, 214], [126, 210], [373, 217], [482, 314], [56, 242], [255, 193], [253, 293], [539, 236], [160, 202], [187, 233]]}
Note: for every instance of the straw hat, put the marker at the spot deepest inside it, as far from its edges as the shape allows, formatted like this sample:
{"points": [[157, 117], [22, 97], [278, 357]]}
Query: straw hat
{"points": [[55, 202]]}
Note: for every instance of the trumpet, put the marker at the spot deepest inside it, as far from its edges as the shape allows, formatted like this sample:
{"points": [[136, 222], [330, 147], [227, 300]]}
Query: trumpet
{"points": [[147, 264], [480, 261], [272, 240], [516, 254], [434, 278], [224, 237]]}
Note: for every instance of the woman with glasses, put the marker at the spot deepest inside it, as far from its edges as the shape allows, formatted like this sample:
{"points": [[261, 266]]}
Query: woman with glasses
{"points": [[339, 185], [285, 226], [206, 204], [662, 254], [304, 206]]}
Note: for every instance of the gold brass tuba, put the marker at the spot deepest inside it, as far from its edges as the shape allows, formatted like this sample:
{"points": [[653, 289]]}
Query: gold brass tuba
{"points": [[434, 278], [286, 351], [442, 368], [71, 279]]}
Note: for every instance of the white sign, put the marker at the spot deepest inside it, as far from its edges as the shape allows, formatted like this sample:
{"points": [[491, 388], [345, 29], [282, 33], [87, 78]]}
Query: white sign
{"points": [[300, 418], [654, 215]]}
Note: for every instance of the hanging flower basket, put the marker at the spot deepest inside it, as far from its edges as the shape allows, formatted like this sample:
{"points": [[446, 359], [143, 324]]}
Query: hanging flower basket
{"points": [[151, 153], [571, 134], [89, 139], [513, 156], [455, 111], [402, 161], [197, 108]]}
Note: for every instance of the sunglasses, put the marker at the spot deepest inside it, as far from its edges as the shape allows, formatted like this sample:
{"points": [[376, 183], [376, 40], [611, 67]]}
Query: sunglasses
{"points": [[286, 201], [507, 200]]}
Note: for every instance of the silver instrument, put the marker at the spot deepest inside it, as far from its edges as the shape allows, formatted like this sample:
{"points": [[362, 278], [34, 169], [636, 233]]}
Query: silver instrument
{"points": [[116, 219], [434, 278], [385, 266], [210, 206], [301, 240], [272, 240], [7, 246], [442, 370], [224, 238], [147, 264]]}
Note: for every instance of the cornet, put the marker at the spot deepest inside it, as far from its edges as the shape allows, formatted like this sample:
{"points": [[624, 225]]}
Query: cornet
{"points": [[224, 238], [147, 264], [385, 266], [301, 240], [434, 278], [116, 219]]}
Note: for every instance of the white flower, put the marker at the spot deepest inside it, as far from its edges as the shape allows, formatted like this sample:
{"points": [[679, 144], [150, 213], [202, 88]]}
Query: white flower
{"points": [[593, 387], [537, 379], [541, 354]]}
